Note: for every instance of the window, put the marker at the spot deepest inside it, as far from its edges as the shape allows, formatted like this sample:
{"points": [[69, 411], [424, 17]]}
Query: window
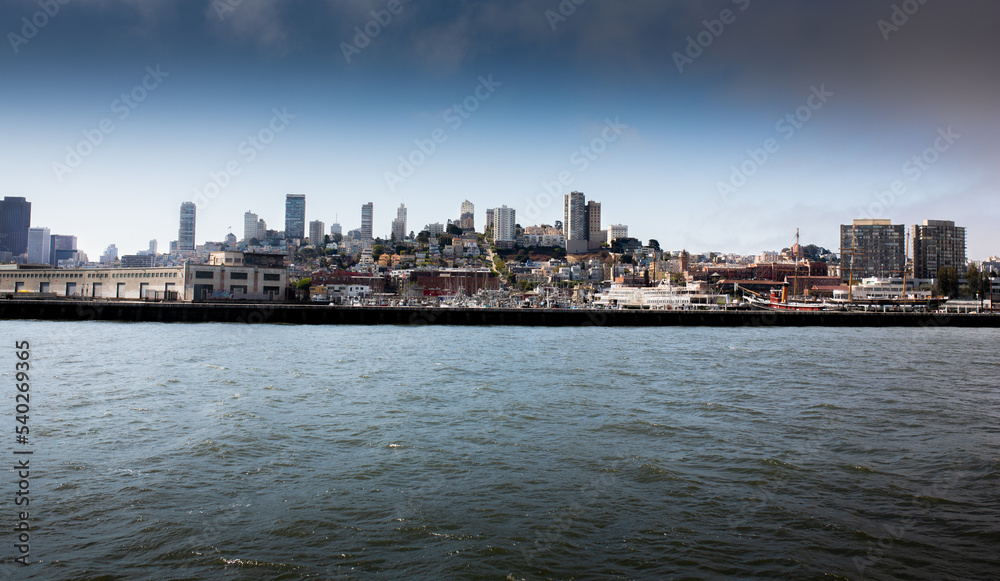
{"points": [[271, 277], [271, 289], [204, 274], [238, 275]]}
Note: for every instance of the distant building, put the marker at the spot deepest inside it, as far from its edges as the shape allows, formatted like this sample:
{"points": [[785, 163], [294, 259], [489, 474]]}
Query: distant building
{"points": [[504, 222], [63, 249], [489, 218], [317, 232], [616, 231], [399, 224], [295, 216], [39, 246], [186, 232], [335, 230], [434, 230], [110, 255], [15, 221], [872, 248], [250, 226], [137, 261], [152, 247], [467, 217], [937, 244], [594, 238], [367, 212]]}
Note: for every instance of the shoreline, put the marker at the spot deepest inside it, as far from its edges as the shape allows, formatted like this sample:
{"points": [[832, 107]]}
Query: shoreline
{"points": [[304, 314]]}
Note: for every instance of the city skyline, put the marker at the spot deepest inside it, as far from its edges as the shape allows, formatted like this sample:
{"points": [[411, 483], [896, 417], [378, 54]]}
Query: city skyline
{"points": [[721, 126]]}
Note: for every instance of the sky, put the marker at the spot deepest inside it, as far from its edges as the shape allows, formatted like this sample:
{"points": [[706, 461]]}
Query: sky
{"points": [[719, 125]]}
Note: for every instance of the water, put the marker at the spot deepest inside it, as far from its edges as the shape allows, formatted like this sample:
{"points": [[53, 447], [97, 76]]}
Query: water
{"points": [[281, 452]]}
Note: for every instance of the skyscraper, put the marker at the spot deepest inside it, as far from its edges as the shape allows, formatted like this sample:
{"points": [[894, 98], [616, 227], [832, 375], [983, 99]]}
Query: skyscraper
{"points": [[936, 244], [152, 247], [15, 219], [467, 218], [504, 224], [185, 235], [335, 229], [367, 212], [872, 248], [295, 216], [249, 225], [317, 232], [490, 214], [399, 224], [39, 245]]}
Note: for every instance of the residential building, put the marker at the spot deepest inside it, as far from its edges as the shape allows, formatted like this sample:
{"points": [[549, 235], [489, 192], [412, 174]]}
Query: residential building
{"points": [[186, 232], [872, 248], [575, 224], [617, 231], [110, 255], [317, 232], [152, 247], [295, 216], [335, 230], [489, 219], [594, 237], [15, 221], [250, 221], [367, 212], [504, 222], [434, 230], [399, 224], [467, 217], [39, 246], [937, 244]]}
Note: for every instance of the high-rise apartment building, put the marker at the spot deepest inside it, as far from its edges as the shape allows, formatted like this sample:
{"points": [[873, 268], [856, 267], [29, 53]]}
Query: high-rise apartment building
{"points": [[152, 247], [616, 231], [185, 234], [504, 224], [489, 218], [872, 248], [295, 216], [936, 244], [250, 225], [594, 238], [367, 211], [335, 230], [39, 245], [399, 224], [467, 217], [317, 232], [15, 220]]}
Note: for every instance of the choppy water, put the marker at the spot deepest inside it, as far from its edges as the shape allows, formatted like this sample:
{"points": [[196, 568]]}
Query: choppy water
{"points": [[280, 452]]}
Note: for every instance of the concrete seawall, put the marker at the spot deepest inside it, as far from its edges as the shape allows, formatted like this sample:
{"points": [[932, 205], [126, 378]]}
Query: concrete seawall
{"points": [[63, 310]]}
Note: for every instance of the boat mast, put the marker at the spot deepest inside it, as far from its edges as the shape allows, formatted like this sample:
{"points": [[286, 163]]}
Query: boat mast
{"points": [[906, 256]]}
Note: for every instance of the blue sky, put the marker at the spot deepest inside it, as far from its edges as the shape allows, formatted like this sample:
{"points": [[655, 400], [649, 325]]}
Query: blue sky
{"points": [[690, 143]]}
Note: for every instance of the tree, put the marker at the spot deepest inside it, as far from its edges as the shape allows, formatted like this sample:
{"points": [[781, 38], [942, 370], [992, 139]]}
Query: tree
{"points": [[326, 239], [303, 284], [254, 242], [454, 230], [444, 241], [654, 243], [424, 237], [974, 280], [947, 284], [377, 250]]}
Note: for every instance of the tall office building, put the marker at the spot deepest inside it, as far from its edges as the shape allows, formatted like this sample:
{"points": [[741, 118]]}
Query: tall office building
{"points": [[15, 220], [872, 248], [185, 234], [249, 225], [62, 248], [399, 224], [594, 238], [504, 224], [467, 219], [936, 244], [295, 216], [576, 227], [317, 232], [366, 220], [39, 245]]}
